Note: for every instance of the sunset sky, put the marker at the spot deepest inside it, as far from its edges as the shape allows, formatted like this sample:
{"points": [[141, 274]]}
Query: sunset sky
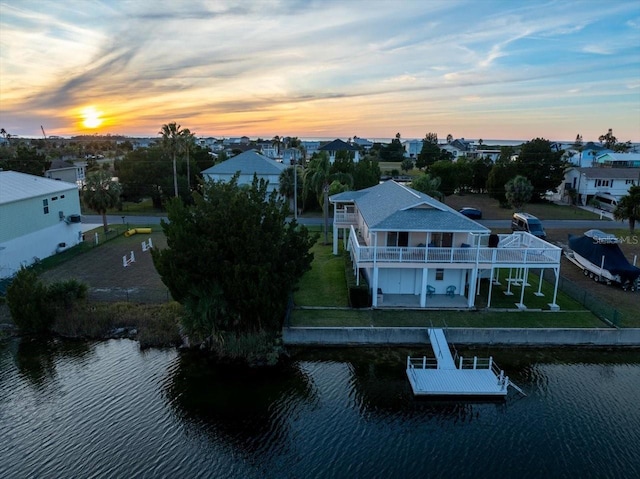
{"points": [[474, 69]]}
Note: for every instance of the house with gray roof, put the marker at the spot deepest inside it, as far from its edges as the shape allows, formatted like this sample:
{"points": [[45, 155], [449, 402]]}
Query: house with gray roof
{"points": [[62, 170], [338, 145], [587, 182], [39, 217], [413, 248], [247, 165]]}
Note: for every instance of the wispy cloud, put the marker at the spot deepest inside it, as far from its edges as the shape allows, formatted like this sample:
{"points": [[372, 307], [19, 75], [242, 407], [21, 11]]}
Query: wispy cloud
{"points": [[311, 65]]}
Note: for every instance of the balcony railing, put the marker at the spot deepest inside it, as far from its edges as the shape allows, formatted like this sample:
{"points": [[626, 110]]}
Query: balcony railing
{"points": [[342, 217], [517, 252]]}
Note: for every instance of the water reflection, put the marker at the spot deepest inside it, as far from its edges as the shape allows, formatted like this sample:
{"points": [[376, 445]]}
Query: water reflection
{"points": [[249, 409], [37, 359]]}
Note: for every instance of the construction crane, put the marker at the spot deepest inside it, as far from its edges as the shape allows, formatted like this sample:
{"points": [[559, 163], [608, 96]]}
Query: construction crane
{"points": [[43, 133]]}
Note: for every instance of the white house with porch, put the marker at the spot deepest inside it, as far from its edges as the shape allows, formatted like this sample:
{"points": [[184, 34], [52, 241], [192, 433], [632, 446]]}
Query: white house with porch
{"points": [[409, 245]]}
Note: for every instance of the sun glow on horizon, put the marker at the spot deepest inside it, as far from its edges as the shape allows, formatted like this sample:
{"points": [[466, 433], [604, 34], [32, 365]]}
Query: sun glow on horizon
{"points": [[91, 118]]}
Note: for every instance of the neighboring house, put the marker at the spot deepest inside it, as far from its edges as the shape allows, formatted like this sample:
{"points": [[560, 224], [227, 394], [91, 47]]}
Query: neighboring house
{"points": [[247, 164], [38, 218], [406, 243], [618, 160], [459, 148], [291, 156], [310, 147], [412, 148], [589, 181], [586, 156], [363, 143], [66, 171], [338, 145]]}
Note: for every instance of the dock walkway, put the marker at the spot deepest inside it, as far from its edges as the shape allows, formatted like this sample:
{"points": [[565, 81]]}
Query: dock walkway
{"points": [[478, 377]]}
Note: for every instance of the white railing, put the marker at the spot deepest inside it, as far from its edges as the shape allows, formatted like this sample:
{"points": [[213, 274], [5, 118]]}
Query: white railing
{"points": [[527, 251], [344, 217], [422, 363]]}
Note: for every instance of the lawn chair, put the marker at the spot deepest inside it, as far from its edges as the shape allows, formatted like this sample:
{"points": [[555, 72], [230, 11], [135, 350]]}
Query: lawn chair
{"points": [[430, 290], [451, 291]]}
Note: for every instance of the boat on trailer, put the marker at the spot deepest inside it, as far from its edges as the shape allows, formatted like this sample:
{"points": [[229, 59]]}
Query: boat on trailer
{"points": [[599, 256]]}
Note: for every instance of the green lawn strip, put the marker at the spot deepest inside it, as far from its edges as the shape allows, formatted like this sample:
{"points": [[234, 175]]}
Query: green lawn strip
{"points": [[325, 284], [460, 319]]}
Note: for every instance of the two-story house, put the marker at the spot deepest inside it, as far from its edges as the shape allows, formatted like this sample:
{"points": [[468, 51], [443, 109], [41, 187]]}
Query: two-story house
{"points": [[587, 182], [338, 145], [407, 243], [39, 217]]}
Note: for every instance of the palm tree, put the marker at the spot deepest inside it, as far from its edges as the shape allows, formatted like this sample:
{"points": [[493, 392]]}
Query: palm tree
{"points": [[629, 208], [187, 140], [171, 143], [318, 177], [100, 193]]}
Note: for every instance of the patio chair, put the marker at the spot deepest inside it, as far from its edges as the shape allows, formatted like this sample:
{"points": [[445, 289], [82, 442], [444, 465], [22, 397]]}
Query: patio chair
{"points": [[430, 290], [451, 291]]}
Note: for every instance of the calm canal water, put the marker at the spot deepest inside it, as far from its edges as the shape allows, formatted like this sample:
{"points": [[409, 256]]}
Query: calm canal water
{"points": [[108, 410]]}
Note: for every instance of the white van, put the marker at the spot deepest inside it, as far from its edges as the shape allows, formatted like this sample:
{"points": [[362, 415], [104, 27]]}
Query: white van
{"points": [[606, 201]]}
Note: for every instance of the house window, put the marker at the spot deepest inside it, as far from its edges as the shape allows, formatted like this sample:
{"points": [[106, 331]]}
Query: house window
{"points": [[45, 206], [441, 240], [439, 274], [398, 238]]}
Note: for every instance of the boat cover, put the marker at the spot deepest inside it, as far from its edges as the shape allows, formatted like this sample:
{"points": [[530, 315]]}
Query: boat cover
{"points": [[614, 259]]}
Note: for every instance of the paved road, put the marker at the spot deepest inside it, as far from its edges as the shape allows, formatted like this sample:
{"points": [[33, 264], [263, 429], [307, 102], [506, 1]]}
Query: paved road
{"points": [[502, 224]]}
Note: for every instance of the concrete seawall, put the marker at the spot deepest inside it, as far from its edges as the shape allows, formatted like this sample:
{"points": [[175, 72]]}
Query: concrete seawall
{"points": [[469, 336]]}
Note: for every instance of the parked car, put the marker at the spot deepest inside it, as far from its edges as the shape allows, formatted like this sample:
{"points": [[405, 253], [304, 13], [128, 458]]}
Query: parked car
{"points": [[469, 212], [529, 223]]}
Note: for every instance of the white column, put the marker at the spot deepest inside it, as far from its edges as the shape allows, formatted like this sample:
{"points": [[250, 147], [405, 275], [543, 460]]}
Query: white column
{"points": [[472, 287], [335, 230], [423, 287]]}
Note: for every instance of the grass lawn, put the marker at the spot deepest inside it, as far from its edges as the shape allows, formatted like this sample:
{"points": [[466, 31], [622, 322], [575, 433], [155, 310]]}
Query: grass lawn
{"points": [[325, 284], [322, 301], [462, 319], [491, 209]]}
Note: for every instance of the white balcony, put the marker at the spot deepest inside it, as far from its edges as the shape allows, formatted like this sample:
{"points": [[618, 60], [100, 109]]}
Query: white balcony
{"points": [[515, 250]]}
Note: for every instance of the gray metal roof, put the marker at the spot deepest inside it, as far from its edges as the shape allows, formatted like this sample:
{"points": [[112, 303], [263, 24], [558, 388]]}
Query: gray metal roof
{"points": [[391, 206], [611, 173], [249, 162], [15, 186]]}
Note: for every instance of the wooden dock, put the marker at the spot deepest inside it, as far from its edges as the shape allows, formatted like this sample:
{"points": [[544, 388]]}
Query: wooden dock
{"points": [[441, 376]]}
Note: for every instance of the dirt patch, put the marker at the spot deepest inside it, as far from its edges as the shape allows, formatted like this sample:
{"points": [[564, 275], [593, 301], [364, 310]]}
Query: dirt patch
{"points": [[102, 269]]}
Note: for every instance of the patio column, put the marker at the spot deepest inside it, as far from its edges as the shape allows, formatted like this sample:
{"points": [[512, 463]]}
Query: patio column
{"points": [[423, 287], [525, 279], [472, 288], [490, 288]]}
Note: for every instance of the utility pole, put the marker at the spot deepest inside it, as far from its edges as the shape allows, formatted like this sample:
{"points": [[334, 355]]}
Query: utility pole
{"points": [[294, 163]]}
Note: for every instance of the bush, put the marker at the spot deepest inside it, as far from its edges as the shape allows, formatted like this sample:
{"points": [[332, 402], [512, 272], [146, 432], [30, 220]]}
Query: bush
{"points": [[261, 348], [359, 296], [29, 304]]}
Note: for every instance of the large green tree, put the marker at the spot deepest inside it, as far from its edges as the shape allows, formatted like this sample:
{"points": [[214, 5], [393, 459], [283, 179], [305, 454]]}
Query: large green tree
{"points": [[26, 160], [319, 174], [629, 208], [101, 193], [430, 152], [232, 259], [542, 166], [518, 191], [427, 184]]}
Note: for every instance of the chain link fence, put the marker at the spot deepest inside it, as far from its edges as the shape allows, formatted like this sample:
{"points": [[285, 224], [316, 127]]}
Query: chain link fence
{"points": [[585, 298]]}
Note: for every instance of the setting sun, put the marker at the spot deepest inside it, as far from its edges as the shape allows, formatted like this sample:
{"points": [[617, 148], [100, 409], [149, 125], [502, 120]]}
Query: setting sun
{"points": [[91, 117]]}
